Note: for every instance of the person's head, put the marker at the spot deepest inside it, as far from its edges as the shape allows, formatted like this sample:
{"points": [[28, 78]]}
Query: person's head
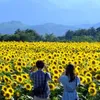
{"points": [[40, 64], [70, 71]]}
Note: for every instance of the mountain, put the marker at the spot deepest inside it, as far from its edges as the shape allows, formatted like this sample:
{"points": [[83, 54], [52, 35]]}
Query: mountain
{"points": [[10, 27], [57, 29]]}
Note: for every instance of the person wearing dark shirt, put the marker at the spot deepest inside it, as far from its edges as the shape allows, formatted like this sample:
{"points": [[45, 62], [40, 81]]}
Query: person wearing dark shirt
{"points": [[38, 78]]}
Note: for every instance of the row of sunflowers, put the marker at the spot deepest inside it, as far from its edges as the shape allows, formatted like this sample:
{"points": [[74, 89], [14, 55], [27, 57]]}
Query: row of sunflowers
{"points": [[16, 58]]}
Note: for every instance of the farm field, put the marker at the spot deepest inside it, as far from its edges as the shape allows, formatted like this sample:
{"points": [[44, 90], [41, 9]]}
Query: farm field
{"points": [[16, 58]]}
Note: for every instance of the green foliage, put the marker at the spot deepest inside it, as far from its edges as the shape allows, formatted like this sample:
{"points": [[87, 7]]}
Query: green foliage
{"points": [[50, 37], [80, 35]]}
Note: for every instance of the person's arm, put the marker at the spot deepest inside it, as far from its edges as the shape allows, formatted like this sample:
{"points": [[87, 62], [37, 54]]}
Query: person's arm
{"points": [[31, 72], [45, 66], [78, 80], [32, 69], [47, 71]]}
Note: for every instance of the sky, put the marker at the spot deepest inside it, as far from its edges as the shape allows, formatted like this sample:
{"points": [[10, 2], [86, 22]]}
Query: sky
{"points": [[66, 12], [77, 4]]}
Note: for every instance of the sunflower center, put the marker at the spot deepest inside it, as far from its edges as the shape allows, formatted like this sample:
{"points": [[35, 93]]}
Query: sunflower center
{"points": [[7, 95], [28, 86], [98, 77]]}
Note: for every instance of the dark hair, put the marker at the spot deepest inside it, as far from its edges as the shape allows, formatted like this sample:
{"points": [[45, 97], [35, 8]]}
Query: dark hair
{"points": [[39, 64], [70, 72]]}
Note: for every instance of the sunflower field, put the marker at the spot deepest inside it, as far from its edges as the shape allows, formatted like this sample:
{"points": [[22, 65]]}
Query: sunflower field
{"points": [[16, 59]]}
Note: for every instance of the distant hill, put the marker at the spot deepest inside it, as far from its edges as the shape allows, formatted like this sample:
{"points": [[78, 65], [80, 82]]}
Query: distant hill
{"points": [[57, 29], [11, 27]]}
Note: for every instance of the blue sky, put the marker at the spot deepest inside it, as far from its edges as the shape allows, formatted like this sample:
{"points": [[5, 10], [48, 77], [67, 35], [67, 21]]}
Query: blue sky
{"points": [[67, 12], [77, 4]]}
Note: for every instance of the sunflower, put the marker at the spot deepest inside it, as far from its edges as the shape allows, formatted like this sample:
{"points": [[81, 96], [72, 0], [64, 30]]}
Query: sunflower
{"points": [[28, 87], [24, 76], [60, 71], [63, 62], [55, 76], [12, 55], [6, 79], [60, 67], [4, 88], [19, 69], [8, 59], [14, 84], [52, 66], [54, 54], [82, 80], [4, 58], [90, 68], [84, 71], [14, 76], [97, 77], [64, 58], [49, 56], [77, 68], [89, 79], [7, 95], [49, 69], [23, 64], [93, 62], [19, 79], [19, 59], [28, 59], [75, 62], [95, 69], [11, 71], [55, 62], [19, 63], [10, 90], [52, 86], [92, 84], [55, 80], [55, 72], [92, 91], [8, 85], [3, 64], [77, 71], [88, 74], [6, 69]]}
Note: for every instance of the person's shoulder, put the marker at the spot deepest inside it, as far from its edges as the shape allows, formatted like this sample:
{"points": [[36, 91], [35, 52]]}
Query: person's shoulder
{"points": [[64, 77], [47, 73], [36, 72], [77, 77]]}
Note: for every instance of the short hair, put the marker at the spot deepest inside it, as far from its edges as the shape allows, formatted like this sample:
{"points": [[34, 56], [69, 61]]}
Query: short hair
{"points": [[39, 64]]}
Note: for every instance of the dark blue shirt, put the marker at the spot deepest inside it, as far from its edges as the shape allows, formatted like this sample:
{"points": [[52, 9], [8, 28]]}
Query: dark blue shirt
{"points": [[38, 78]]}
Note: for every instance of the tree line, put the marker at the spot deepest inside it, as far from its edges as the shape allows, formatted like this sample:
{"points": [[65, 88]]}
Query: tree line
{"points": [[80, 35]]}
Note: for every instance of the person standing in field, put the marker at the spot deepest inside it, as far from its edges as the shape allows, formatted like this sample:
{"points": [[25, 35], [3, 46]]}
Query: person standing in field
{"points": [[39, 78], [69, 81]]}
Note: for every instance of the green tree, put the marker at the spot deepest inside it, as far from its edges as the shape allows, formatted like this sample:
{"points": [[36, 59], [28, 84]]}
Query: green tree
{"points": [[69, 34], [82, 38], [27, 35], [50, 37]]}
